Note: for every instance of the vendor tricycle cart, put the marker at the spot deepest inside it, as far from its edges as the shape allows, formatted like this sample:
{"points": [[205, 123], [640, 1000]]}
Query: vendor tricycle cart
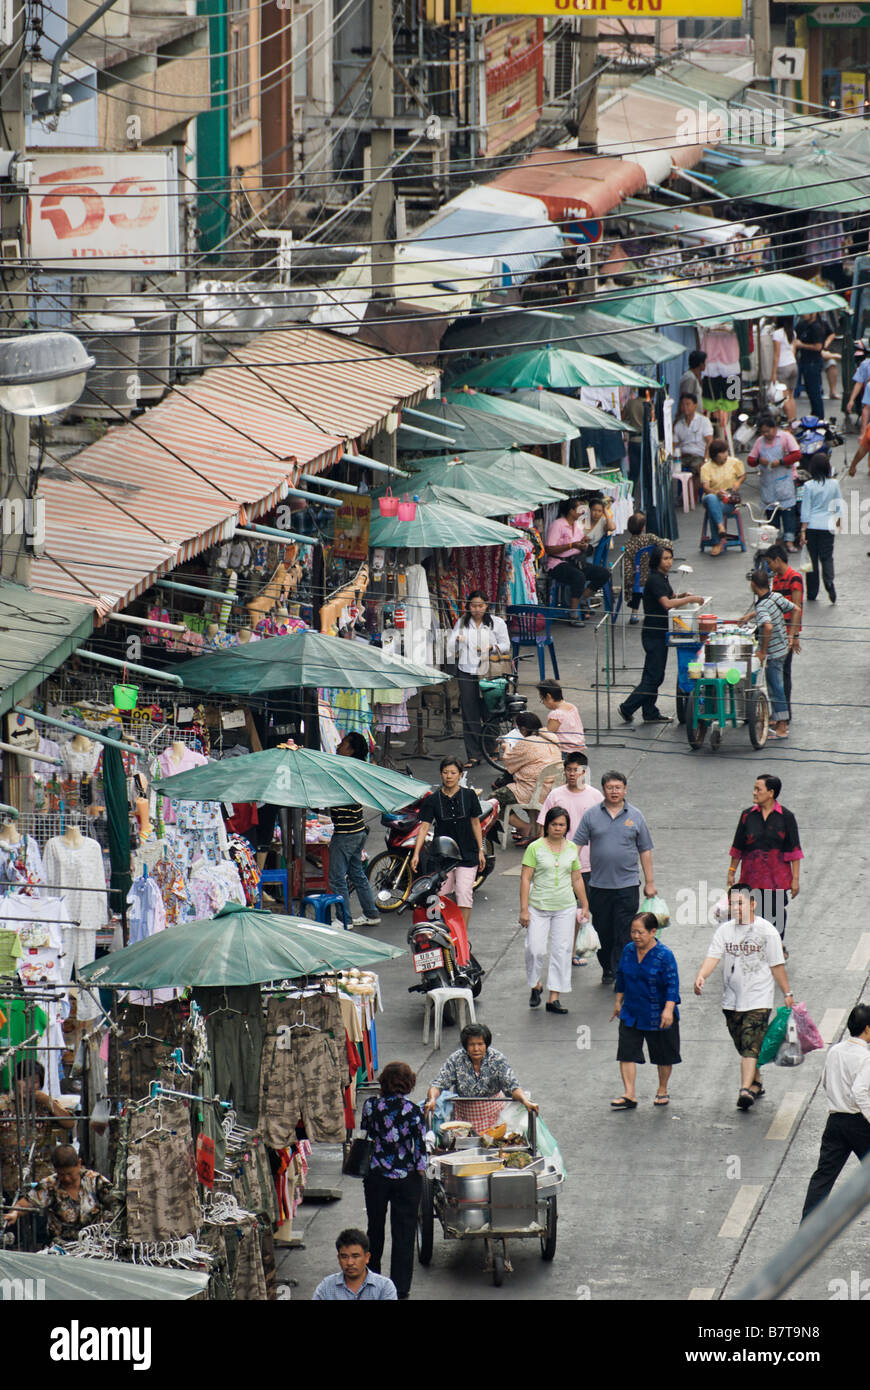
{"points": [[476, 1195], [731, 693]]}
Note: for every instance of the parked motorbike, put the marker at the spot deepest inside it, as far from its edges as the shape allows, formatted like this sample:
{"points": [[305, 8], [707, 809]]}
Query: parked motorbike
{"points": [[390, 872], [438, 938], [814, 434]]}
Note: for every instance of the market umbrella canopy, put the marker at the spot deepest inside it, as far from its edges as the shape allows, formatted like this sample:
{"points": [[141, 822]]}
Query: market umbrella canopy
{"points": [[578, 328], [302, 659], [299, 777], [786, 294], [485, 503], [436, 527], [481, 427], [513, 463], [74, 1279], [659, 303], [467, 476], [825, 181], [239, 946], [585, 417], [552, 367]]}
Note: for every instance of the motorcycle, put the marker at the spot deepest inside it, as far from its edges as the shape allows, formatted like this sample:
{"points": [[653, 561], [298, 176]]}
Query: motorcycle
{"points": [[814, 434], [438, 938], [390, 871]]}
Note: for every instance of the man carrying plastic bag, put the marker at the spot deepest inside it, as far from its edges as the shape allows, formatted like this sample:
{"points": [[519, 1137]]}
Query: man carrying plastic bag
{"points": [[752, 956]]}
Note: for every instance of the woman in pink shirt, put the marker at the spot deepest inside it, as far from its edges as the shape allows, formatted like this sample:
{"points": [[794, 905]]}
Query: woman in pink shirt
{"points": [[566, 549], [563, 718]]}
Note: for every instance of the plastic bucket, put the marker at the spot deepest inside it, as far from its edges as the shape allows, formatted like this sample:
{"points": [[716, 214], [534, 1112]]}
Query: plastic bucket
{"points": [[388, 505], [407, 510], [125, 696]]}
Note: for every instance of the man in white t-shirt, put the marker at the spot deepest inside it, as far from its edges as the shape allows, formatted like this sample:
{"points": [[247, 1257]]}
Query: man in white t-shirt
{"points": [[753, 964], [575, 797]]}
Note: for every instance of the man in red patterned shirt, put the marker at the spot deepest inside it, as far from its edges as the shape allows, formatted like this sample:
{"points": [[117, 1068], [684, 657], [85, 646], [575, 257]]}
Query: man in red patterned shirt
{"points": [[768, 848], [790, 582]]}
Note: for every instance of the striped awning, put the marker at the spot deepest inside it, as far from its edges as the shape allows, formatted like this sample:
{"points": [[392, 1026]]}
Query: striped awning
{"points": [[158, 490]]}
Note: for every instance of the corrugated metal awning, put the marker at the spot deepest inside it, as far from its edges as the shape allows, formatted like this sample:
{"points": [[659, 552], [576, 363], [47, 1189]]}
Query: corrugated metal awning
{"points": [[573, 186]]}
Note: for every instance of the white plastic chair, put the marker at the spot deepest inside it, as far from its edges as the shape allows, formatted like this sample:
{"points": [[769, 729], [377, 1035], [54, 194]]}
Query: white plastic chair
{"points": [[435, 1000], [554, 773]]}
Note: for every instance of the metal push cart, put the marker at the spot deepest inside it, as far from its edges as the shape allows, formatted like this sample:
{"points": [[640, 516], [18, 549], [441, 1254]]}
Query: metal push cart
{"points": [[494, 1207], [733, 696]]}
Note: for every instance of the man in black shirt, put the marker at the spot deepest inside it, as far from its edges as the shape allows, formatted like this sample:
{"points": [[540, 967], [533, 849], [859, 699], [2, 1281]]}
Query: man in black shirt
{"points": [[811, 336], [658, 597], [347, 844], [454, 811]]}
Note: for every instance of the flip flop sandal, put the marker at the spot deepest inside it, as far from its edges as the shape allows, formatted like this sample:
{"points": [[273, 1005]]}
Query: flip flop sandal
{"points": [[662, 1100], [757, 1089], [623, 1104], [745, 1100]]}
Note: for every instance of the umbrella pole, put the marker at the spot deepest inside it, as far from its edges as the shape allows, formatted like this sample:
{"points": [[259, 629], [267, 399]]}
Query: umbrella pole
{"points": [[448, 714]]}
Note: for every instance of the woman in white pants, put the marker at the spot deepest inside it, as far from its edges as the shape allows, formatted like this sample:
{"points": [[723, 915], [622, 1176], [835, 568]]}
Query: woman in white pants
{"points": [[551, 890]]}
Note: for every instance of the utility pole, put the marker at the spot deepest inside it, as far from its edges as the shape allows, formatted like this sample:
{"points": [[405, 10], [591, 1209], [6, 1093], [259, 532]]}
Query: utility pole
{"points": [[381, 150], [761, 37], [587, 95], [14, 429]]}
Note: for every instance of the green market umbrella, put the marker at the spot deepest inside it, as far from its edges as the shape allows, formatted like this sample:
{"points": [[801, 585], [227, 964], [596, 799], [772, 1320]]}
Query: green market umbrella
{"points": [[578, 328], [656, 303], [585, 417], [516, 464], [509, 408], [467, 476], [298, 777], [485, 503], [239, 946], [436, 527], [825, 181], [482, 428], [785, 294], [74, 1279], [302, 660], [552, 367]]}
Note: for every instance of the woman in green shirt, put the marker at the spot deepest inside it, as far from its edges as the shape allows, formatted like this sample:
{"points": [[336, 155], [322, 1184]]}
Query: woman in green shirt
{"points": [[551, 889]]}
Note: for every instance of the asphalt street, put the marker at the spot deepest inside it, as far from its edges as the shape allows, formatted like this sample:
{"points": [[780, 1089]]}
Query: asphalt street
{"points": [[689, 1201]]}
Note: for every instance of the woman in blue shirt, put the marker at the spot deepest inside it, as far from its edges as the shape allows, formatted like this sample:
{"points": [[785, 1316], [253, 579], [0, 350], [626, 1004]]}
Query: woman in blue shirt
{"points": [[647, 994], [821, 508]]}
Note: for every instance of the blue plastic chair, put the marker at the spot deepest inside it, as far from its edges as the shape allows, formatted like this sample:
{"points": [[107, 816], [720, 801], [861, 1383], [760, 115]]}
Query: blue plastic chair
{"points": [[274, 876], [645, 550], [323, 904], [612, 604], [529, 626], [734, 540]]}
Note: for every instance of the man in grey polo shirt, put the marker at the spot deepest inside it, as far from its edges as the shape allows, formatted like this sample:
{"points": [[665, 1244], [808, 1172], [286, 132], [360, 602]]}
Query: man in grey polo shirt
{"points": [[617, 835]]}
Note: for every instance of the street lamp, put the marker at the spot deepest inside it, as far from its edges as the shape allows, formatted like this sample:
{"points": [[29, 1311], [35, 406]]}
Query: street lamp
{"points": [[41, 373]]}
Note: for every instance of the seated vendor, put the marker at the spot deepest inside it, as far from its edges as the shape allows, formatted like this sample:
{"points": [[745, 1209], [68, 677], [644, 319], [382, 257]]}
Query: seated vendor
{"points": [[476, 1071], [34, 1109], [72, 1198]]}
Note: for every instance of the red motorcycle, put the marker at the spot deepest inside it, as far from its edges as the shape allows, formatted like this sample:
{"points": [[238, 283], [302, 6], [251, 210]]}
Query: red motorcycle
{"points": [[438, 939], [390, 872]]}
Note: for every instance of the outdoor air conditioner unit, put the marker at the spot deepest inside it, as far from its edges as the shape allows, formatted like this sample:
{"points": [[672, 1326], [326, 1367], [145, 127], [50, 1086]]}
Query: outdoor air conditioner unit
{"points": [[155, 322], [559, 64], [113, 385]]}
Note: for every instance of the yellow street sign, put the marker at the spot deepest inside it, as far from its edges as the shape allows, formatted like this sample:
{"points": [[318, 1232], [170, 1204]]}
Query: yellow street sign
{"points": [[621, 9]]}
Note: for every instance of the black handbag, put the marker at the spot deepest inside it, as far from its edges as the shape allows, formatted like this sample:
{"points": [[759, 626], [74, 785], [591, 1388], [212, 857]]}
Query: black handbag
{"points": [[358, 1159]]}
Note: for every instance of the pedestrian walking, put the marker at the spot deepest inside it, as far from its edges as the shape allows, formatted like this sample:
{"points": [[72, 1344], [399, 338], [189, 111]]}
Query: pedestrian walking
{"points": [[775, 452], [785, 369], [822, 507], [811, 337], [455, 812], [477, 636], [397, 1130], [647, 996], [690, 381], [767, 848], [846, 1082], [768, 612], [355, 1282], [721, 478], [567, 562], [551, 891], [753, 965], [576, 797], [617, 836], [563, 718], [790, 582], [658, 599], [346, 869]]}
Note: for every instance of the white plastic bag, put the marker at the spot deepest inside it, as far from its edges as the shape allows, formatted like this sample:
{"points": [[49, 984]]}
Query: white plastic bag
{"points": [[587, 940], [790, 1052]]}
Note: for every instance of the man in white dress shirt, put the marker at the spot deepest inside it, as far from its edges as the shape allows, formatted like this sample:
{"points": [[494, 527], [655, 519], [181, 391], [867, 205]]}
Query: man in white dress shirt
{"points": [[847, 1085]]}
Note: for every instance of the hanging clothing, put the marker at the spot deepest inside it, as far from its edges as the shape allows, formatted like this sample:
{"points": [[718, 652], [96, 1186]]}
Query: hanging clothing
{"points": [[418, 616], [520, 573], [301, 1071], [139, 1051], [162, 1201], [21, 864], [74, 868], [169, 767], [722, 368], [146, 917], [42, 925], [80, 762], [236, 1029]]}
